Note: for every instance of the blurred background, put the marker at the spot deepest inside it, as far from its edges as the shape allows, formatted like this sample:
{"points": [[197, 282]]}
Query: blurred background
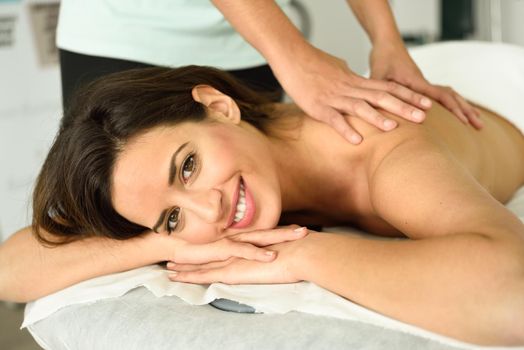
{"points": [[30, 97]]}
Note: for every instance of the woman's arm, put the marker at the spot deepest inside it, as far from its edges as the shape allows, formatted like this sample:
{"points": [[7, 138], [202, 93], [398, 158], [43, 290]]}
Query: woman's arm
{"points": [[461, 273], [29, 270]]}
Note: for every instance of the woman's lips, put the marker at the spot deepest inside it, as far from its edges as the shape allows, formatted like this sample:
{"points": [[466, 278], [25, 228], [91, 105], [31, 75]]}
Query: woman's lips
{"points": [[249, 213], [234, 205]]}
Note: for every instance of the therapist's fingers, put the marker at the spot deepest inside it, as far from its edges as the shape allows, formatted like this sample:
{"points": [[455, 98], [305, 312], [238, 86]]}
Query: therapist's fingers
{"points": [[362, 110], [338, 122], [455, 103], [410, 97], [472, 114], [268, 237], [359, 102]]}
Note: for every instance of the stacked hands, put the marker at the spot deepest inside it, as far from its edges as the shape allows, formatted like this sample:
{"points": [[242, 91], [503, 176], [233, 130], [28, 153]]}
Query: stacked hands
{"points": [[264, 256], [327, 90]]}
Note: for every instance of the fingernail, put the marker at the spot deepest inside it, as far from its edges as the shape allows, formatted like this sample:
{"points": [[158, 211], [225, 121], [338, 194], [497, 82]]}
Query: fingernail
{"points": [[300, 229], [170, 265], [426, 102], [355, 139], [173, 274], [389, 124], [417, 115], [269, 253]]}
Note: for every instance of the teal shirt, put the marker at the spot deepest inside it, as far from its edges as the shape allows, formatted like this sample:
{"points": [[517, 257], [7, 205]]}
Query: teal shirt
{"points": [[160, 32]]}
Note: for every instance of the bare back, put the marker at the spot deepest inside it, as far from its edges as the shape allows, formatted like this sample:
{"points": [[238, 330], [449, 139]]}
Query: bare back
{"points": [[493, 156]]}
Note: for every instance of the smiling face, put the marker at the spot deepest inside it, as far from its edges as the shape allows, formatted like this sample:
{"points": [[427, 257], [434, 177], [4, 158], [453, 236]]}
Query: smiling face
{"points": [[200, 180]]}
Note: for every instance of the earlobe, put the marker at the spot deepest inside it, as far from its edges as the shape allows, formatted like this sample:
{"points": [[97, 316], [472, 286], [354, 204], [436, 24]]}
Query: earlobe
{"points": [[221, 105]]}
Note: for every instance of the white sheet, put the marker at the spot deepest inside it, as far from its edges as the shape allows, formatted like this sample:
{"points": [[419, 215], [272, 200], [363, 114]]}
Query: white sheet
{"points": [[304, 296]]}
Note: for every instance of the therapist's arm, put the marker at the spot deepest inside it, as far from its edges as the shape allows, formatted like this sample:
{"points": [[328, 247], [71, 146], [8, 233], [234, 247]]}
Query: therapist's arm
{"points": [[390, 60], [322, 85]]}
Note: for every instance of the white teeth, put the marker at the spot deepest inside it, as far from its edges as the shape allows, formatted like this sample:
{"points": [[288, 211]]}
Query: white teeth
{"points": [[241, 205]]}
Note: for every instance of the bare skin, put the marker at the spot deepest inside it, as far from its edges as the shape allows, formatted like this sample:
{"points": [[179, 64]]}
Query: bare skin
{"points": [[482, 152]]}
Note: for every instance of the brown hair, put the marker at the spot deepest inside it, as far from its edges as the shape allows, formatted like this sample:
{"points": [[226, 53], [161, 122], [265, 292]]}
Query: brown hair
{"points": [[72, 197]]}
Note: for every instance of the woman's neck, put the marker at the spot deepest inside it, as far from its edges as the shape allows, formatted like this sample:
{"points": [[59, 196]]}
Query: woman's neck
{"points": [[314, 164]]}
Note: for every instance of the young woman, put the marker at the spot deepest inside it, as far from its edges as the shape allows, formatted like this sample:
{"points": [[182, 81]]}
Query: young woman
{"points": [[187, 157]]}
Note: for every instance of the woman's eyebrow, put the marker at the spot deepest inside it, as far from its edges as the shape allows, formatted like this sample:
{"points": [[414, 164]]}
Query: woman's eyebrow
{"points": [[160, 220], [172, 167], [171, 180]]}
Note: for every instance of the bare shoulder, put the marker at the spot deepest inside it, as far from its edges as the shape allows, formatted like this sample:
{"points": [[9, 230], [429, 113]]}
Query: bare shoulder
{"points": [[421, 188]]}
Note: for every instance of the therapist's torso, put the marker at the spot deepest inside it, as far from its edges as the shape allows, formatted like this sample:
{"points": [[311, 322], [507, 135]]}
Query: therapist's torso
{"points": [[160, 32]]}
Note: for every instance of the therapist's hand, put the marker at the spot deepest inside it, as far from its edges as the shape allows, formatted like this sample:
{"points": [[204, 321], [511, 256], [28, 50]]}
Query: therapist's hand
{"points": [[327, 90], [393, 63]]}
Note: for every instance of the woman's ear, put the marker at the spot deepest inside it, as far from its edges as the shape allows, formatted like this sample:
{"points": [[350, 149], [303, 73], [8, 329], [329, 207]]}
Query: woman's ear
{"points": [[222, 106]]}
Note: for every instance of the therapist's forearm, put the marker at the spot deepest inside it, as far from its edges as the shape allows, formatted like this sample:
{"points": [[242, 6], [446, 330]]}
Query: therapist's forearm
{"points": [[378, 21], [464, 286], [29, 270], [266, 27]]}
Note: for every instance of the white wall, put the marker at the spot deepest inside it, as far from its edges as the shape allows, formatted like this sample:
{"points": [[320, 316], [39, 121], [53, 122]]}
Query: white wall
{"points": [[512, 15], [29, 112], [336, 30]]}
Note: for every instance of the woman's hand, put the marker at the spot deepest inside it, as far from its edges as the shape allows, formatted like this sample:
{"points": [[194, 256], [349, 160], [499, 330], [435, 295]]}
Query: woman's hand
{"points": [[237, 270], [247, 245], [393, 63], [327, 90]]}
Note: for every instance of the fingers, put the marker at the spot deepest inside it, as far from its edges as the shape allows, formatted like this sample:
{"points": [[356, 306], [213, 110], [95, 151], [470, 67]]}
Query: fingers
{"points": [[195, 267], [337, 121], [220, 251], [403, 93], [396, 99], [364, 111], [456, 104], [269, 237], [202, 276], [471, 113], [361, 102]]}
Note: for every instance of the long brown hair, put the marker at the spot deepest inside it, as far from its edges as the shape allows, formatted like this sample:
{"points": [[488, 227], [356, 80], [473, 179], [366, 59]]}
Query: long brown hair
{"points": [[72, 197]]}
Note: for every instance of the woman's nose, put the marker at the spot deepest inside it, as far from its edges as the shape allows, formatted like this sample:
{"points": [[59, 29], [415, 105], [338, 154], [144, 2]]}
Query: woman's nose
{"points": [[207, 204]]}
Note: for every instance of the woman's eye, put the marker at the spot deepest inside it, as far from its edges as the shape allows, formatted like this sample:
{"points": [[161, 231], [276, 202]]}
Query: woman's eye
{"points": [[172, 220], [188, 167]]}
